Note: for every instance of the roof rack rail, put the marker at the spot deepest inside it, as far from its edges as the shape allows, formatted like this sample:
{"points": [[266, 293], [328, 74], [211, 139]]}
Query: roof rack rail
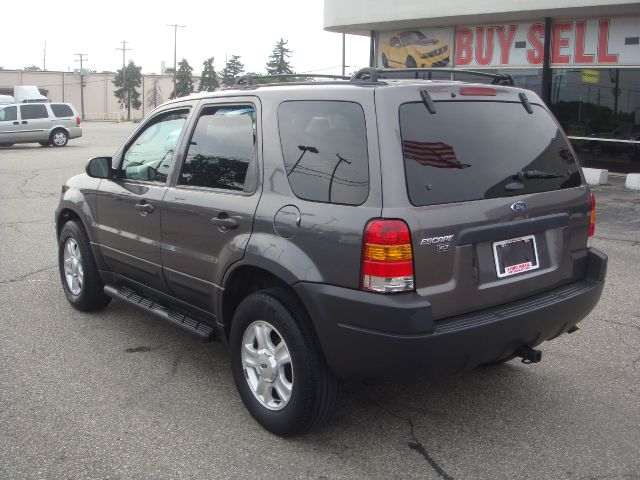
{"points": [[376, 74], [247, 80]]}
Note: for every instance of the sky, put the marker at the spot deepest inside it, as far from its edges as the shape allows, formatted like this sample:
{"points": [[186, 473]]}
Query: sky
{"points": [[248, 28]]}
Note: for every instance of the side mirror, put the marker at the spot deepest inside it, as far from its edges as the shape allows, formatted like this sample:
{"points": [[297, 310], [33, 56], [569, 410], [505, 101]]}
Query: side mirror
{"points": [[99, 167]]}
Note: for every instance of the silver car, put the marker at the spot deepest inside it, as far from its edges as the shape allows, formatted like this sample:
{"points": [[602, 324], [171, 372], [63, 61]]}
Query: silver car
{"points": [[45, 123]]}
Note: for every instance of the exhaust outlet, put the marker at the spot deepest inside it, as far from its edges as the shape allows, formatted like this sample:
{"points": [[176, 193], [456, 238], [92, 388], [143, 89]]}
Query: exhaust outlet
{"points": [[528, 354]]}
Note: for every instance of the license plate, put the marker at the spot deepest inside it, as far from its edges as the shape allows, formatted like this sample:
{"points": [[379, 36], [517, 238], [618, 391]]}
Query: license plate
{"points": [[516, 255]]}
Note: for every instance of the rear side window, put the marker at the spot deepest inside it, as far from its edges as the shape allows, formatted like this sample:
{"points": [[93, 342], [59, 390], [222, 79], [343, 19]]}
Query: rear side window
{"points": [[324, 144], [60, 110], [477, 150], [221, 149], [34, 111], [8, 114]]}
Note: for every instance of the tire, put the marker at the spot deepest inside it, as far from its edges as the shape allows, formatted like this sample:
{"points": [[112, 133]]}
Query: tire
{"points": [[44, 144], [410, 62], [385, 61], [59, 138], [313, 390], [78, 272]]}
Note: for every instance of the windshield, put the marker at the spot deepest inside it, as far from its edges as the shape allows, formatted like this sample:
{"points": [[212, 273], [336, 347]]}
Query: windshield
{"points": [[411, 37], [478, 150]]}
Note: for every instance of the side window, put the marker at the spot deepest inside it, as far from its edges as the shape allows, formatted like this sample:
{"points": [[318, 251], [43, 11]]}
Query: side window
{"points": [[324, 145], [60, 110], [221, 149], [8, 114], [151, 154], [33, 111]]}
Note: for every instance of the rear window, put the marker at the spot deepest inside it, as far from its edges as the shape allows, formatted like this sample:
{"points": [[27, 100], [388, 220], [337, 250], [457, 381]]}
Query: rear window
{"points": [[479, 150], [324, 144], [60, 110], [34, 111]]}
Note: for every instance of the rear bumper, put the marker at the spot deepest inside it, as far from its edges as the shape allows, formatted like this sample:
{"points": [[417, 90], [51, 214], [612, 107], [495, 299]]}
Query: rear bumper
{"points": [[366, 334]]}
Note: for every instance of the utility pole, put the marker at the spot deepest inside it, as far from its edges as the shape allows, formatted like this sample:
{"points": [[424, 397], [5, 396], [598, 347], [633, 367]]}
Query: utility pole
{"points": [[124, 71], [343, 54], [82, 58], [175, 50], [44, 57]]}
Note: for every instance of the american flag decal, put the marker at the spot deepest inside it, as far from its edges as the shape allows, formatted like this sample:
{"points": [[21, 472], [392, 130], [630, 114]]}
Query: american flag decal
{"points": [[433, 154]]}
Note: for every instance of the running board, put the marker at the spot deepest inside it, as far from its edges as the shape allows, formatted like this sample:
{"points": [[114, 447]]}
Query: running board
{"points": [[127, 295]]}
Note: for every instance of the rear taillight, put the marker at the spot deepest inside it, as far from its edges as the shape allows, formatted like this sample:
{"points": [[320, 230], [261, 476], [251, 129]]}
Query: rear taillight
{"points": [[77, 121], [592, 216], [387, 257]]}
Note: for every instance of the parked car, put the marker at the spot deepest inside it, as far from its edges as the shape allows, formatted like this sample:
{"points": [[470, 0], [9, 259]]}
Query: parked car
{"points": [[630, 131], [329, 230], [43, 123], [413, 49]]}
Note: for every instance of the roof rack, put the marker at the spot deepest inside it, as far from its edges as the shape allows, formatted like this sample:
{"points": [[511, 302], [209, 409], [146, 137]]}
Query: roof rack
{"points": [[247, 80], [376, 74]]}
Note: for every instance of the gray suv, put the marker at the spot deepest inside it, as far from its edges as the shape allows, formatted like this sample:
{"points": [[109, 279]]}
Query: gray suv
{"points": [[44, 123], [337, 229]]}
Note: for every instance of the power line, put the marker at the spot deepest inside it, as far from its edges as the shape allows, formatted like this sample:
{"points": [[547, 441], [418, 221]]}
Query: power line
{"points": [[124, 49]]}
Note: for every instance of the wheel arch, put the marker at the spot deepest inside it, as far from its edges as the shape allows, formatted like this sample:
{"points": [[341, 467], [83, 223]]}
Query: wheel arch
{"points": [[242, 281]]}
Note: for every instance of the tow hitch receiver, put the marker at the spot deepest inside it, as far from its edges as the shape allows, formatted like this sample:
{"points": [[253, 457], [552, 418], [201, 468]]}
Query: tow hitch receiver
{"points": [[528, 354]]}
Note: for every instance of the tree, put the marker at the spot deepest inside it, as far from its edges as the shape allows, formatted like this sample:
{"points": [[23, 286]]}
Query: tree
{"points": [[126, 81], [154, 95], [209, 78], [278, 63], [32, 68], [184, 81], [232, 69]]}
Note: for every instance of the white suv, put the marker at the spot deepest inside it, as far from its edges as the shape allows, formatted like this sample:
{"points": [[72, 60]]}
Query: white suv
{"points": [[44, 123]]}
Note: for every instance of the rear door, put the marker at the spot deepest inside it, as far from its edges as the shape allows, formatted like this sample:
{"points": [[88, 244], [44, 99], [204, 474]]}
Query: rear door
{"points": [[208, 211], [34, 122], [492, 193], [129, 206]]}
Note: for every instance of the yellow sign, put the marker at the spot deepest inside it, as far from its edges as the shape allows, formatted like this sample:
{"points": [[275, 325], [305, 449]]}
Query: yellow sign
{"points": [[591, 76]]}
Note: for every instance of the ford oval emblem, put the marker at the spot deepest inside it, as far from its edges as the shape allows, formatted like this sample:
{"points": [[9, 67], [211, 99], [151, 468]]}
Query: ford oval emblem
{"points": [[519, 207]]}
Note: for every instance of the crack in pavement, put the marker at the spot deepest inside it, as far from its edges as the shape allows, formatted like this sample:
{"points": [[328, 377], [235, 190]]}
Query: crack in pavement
{"points": [[22, 278], [633, 243], [414, 445], [621, 324]]}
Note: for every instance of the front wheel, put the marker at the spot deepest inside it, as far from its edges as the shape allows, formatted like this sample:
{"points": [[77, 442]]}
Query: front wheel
{"points": [[78, 272], [59, 138], [277, 364], [385, 61]]}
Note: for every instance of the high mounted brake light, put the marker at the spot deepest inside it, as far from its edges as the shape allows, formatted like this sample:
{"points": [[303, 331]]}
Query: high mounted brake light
{"points": [[478, 91], [387, 257]]}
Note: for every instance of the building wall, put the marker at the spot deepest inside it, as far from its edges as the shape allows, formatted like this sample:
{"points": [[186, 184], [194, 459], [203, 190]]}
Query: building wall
{"points": [[99, 101], [362, 16]]}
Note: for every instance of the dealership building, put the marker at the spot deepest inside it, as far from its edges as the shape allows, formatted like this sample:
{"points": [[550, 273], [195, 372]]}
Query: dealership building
{"points": [[582, 57]]}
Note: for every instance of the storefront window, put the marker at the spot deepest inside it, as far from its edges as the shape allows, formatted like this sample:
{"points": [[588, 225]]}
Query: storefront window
{"points": [[604, 104]]}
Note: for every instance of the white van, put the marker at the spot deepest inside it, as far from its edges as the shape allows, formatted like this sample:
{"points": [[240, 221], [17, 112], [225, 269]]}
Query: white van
{"points": [[45, 123]]}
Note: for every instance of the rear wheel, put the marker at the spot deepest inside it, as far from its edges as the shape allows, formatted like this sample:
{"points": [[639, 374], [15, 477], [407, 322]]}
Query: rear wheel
{"points": [[277, 364], [385, 61], [411, 62], [78, 272], [59, 138]]}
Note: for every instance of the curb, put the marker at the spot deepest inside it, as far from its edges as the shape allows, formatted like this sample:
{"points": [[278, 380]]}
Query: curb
{"points": [[600, 176]]}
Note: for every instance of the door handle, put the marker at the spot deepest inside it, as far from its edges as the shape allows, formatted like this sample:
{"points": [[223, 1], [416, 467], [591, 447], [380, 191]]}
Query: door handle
{"points": [[24, 121], [224, 221], [16, 123], [144, 208]]}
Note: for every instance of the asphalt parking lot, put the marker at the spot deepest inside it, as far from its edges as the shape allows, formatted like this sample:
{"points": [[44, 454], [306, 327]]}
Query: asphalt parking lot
{"points": [[119, 394]]}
